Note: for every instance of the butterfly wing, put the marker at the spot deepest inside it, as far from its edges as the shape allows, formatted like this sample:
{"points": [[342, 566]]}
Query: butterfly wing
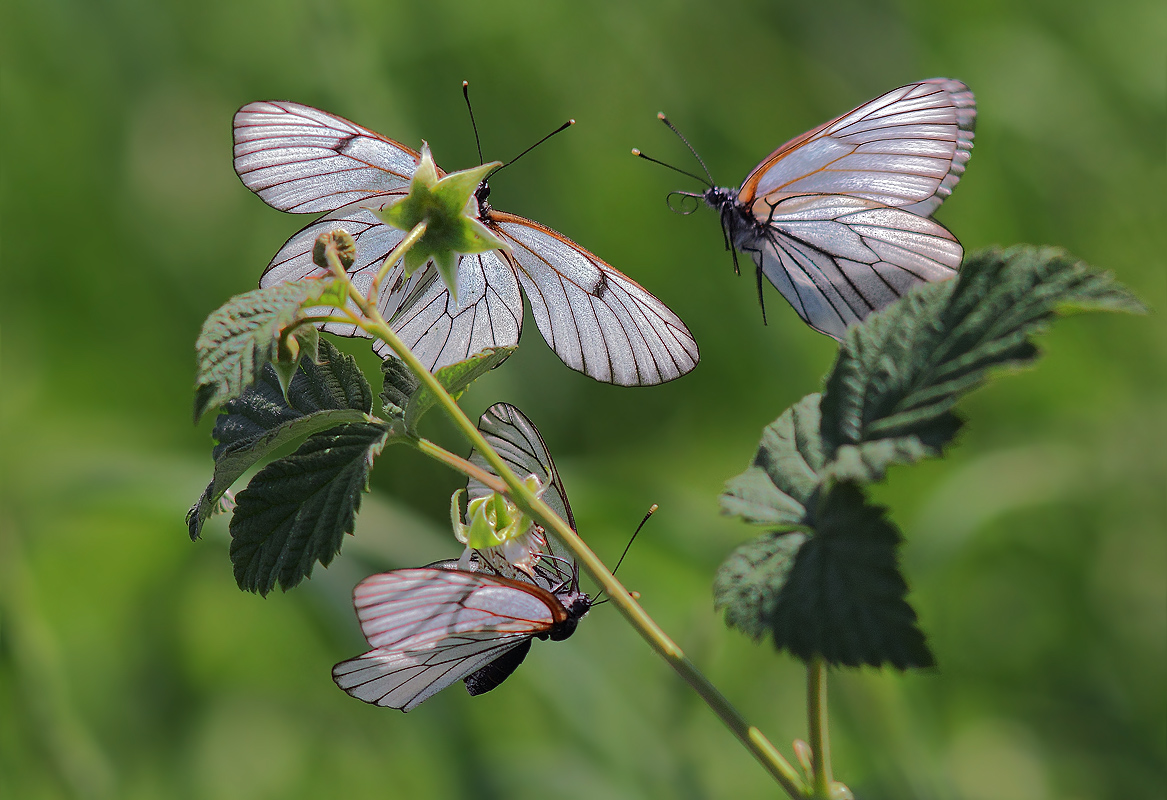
{"points": [[441, 332], [304, 160], [419, 307], [515, 438], [906, 148], [431, 627], [517, 441], [836, 258], [598, 320]]}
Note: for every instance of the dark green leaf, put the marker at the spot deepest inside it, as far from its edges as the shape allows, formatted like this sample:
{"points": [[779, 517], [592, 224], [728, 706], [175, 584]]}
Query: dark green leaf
{"points": [[890, 395], [454, 378], [835, 593], [320, 396], [785, 473], [400, 384], [296, 510], [243, 335]]}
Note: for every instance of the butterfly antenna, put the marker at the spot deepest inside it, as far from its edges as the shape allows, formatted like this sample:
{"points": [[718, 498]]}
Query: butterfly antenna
{"points": [[636, 152], [470, 108], [661, 116], [560, 129], [652, 510]]}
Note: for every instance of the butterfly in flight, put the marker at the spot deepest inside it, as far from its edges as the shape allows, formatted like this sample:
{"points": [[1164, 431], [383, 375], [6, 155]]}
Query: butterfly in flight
{"points": [[596, 319], [839, 218], [471, 619]]}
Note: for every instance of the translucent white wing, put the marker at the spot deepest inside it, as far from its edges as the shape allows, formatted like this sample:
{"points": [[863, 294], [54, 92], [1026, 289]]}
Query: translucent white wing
{"points": [[374, 240], [418, 308], [441, 332], [515, 438], [430, 627], [304, 160], [836, 259], [906, 148], [599, 321]]}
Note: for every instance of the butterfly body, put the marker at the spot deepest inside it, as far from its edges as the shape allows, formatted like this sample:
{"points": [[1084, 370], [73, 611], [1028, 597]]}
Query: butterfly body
{"points": [[839, 218]]}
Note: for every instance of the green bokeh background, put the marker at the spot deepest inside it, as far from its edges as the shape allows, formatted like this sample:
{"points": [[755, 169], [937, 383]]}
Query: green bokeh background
{"points": [[130, 665]]}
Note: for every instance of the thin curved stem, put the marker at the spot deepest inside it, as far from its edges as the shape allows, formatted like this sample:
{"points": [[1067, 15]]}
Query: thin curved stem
{"points": [[750, 737], [816, 712]]}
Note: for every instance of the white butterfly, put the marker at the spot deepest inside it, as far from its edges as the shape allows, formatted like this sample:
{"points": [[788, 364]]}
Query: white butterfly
{"points": [[599, 321], [471, 620], [838, 218]]}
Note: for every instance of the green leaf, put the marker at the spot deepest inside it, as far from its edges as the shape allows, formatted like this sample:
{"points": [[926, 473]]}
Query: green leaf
{"points": [[890, 394], [835, 592], [296, 510], [784, 476], [454, 378], [320, 396], [400, 384], [243, 335]]}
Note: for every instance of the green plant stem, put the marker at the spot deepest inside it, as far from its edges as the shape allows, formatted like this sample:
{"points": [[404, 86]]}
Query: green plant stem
{"points": [[395, 255], [816, 712], [752, 738]]}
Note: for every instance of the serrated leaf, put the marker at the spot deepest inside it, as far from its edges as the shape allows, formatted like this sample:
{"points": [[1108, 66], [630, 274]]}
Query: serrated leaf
{"points": [[400, 384], [320, 396], [784, 476], [836, 592], [296, 510], [890, 394], [243, 335], [455, 378]]}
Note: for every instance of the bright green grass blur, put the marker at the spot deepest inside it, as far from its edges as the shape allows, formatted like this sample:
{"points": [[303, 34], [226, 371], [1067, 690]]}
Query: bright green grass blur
{"points": [[131, 666]]}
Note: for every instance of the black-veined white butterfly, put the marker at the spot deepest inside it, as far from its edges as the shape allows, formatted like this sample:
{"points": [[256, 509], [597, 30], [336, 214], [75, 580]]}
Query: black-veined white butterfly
{"points": [[474, 619], [598, 320], [838, 219]]}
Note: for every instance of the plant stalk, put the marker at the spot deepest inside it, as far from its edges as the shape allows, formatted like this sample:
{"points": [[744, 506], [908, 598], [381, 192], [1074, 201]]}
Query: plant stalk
{"points": [[816, 712], [750, 737]]}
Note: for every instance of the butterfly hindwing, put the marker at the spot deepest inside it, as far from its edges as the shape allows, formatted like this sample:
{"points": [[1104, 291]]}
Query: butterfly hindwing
{"points": [[430, 627]]}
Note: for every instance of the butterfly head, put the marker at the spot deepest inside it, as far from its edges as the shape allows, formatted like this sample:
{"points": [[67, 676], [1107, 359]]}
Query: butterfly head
{"points": [[577, 604]]}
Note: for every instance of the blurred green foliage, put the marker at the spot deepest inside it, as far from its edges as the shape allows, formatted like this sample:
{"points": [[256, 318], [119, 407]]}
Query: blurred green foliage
{"points": [[130, 664]]}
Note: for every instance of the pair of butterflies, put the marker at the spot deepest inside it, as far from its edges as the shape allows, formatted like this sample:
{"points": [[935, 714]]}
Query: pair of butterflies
{"points": [[471, 619], [837, 219]]}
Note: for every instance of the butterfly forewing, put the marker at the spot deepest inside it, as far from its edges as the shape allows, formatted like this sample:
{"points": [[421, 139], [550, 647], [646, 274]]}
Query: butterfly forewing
{"points": [[906, 148], [598, 320], [304, 160]]}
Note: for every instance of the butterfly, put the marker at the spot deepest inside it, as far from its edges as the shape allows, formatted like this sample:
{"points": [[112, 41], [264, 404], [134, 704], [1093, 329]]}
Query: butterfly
{"points": [[596, 319], [470, 619], [838, 219]]}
